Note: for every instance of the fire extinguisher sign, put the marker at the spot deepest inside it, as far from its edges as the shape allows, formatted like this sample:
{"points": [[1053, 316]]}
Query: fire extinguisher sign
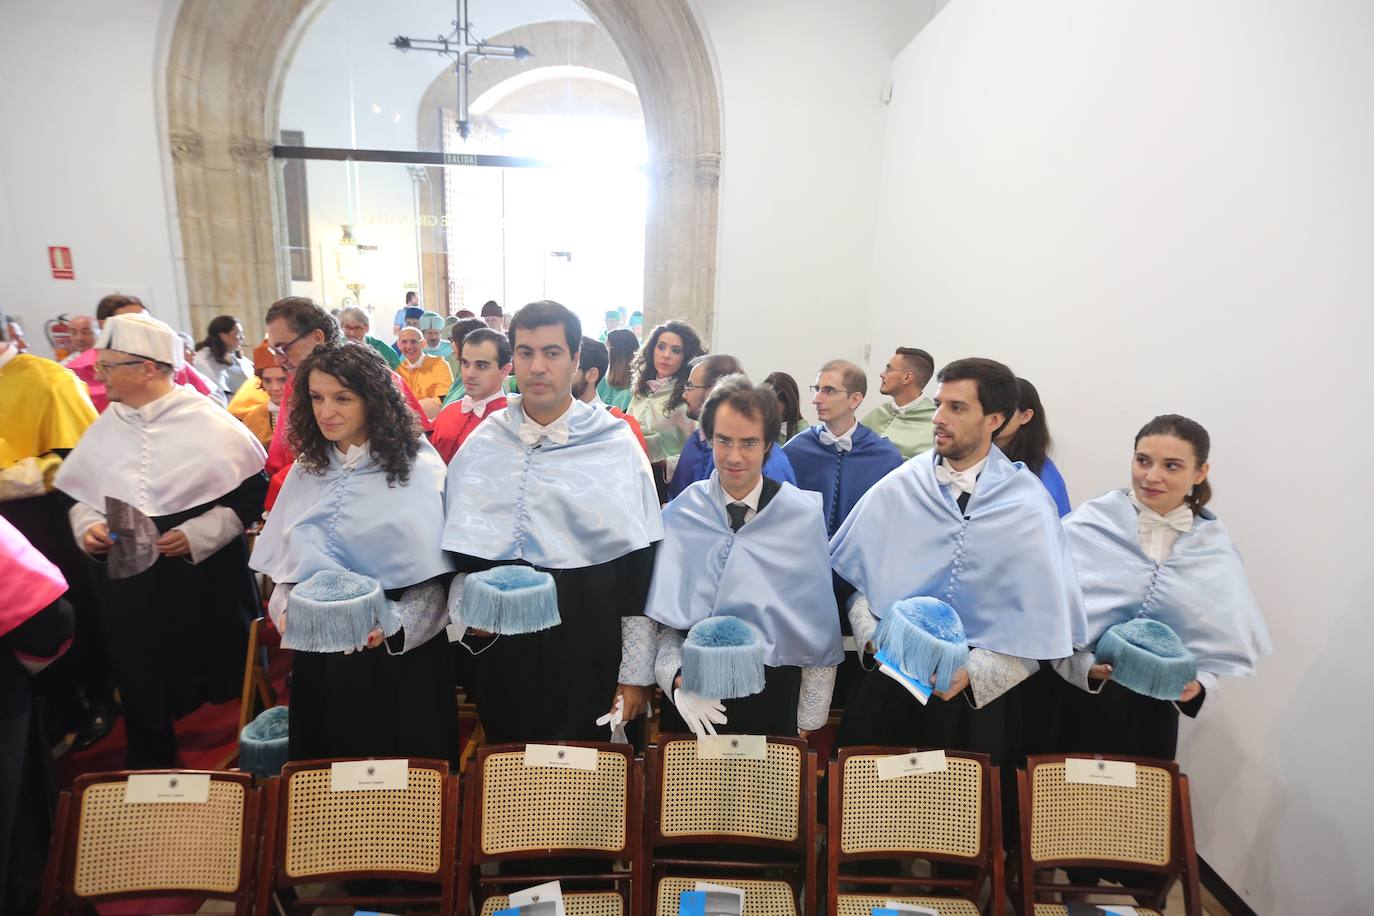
{"points": [[60, 259]]}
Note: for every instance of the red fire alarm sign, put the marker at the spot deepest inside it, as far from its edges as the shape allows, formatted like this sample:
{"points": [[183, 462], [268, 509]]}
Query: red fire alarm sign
{"points": [[60, 260]]}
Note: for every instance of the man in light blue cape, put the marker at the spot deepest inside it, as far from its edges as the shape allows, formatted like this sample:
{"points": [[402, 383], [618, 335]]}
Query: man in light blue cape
{"points": [[530, 486], [742, 545], [962, 524]]}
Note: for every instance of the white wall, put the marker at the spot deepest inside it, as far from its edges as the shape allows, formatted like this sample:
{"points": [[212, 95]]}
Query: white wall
{"points": [[1151, 208], [81, 158], [800, 85]]}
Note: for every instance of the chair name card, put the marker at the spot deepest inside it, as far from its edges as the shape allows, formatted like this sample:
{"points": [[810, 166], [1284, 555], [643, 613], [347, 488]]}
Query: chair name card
{"points": [[1099, 772], [542, 899], [917, 764], [368, 775], [732, 747], [894, 908], [560, 757], [720, 899], [164, 788], [1100, 909]]}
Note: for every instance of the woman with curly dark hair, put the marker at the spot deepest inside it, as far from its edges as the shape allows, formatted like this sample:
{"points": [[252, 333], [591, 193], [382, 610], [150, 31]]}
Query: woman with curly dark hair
{"points": [[660, 375], [365, 496]]}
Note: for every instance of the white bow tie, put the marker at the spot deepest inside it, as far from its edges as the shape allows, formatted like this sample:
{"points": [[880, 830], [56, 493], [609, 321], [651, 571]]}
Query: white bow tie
{"points": [[477, 407], [962, 481], [842, 443], [1181, 520], [556, 432]]}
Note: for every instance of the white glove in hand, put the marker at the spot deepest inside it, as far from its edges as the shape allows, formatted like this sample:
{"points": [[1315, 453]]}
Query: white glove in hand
{"points": [[701, 714], [615, 721]]}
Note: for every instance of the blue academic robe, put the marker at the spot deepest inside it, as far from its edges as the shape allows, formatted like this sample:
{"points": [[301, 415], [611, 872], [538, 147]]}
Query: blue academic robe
{"points": [[697, 460], [1002, 563], [840, 477], [772, 573], [1054, 482]]}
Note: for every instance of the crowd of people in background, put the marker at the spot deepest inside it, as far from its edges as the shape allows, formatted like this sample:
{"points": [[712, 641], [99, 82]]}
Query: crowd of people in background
{"points": [[637, 484]]}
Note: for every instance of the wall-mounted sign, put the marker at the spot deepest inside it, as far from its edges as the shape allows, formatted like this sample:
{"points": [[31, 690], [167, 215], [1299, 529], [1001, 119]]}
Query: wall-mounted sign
{"points": [[60, 260]]}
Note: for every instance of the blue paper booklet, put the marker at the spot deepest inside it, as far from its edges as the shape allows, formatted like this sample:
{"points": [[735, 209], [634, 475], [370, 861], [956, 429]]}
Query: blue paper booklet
{"points": [[918, 689]]}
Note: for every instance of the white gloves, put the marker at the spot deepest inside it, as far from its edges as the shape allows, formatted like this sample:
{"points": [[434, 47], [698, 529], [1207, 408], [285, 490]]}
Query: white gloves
{"points": [[615, 721], [701, 714]]}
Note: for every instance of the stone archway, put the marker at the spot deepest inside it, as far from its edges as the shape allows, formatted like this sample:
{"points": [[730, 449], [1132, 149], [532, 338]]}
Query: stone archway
{"points": [[224, 75]]}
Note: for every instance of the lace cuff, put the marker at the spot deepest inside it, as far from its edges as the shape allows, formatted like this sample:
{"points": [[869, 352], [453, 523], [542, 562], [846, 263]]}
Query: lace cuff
{"points": [[1074, 669], [813, 705], [862, 623], [991, 674], [668, 658], [637, 651], [423, 613]]}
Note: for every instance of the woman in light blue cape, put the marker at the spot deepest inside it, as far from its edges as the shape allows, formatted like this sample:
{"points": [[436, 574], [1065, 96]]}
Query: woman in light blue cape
{"points": [[1177, 566]]}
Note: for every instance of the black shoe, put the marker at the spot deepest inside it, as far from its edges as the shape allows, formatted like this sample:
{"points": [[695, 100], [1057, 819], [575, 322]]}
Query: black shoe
{"points": [[96, 726]]}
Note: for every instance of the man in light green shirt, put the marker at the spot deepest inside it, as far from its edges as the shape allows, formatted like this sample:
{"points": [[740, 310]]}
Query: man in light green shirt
{"points": [[905, 421]]}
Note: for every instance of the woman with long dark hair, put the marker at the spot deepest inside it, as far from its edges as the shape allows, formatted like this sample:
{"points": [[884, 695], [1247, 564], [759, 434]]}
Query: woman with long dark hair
{"points": [[660, 375], [366, 496], [219, 357], [1166, 597], [1026, 438], [615, 388], [789, 397]]}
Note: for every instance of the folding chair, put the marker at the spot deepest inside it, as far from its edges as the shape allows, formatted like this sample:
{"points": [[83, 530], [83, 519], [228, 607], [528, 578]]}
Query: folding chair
{"points": [[1145, 831], [759, 813], [952, 816], [315, 836], [257, 693], [104, 849], [514, 812]]}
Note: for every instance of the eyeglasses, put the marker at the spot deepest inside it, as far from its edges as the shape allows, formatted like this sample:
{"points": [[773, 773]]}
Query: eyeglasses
{"points": [[104, 368], [690, 387], [744, 445], [827, 390], [280, 349]]}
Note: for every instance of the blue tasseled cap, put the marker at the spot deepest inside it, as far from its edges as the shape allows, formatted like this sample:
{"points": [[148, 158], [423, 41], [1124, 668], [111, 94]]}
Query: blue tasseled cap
{"points": [[1148, 657], [263, 742], [511, 600], [722, 658], [334, 611], [925, 637]]}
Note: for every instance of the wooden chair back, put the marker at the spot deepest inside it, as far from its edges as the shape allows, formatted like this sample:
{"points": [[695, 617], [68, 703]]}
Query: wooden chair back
{"points": [[950, 816], [318, 836], [105, 849], [516, 812], [737, 808], [1145, 829]]}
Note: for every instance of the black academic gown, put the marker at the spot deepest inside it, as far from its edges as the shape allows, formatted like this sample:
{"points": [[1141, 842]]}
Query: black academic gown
{"points": [[1115, 721], [554, 684], [773, 711], [178, 631]]}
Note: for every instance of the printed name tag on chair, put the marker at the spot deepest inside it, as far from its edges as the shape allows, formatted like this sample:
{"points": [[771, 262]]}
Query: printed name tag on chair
{"points": [[563, 758], [732, 747], [1100, 772], [176, 788], [365, 775], [918, 764], [906, 909]]}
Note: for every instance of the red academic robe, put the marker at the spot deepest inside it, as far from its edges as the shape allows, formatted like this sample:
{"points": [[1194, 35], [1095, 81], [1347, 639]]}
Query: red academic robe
{"points": [[279, 454], [452, 427]]}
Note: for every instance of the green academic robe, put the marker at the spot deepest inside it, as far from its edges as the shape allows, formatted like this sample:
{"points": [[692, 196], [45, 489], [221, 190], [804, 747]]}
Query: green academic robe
{"points": [[910, 429]]}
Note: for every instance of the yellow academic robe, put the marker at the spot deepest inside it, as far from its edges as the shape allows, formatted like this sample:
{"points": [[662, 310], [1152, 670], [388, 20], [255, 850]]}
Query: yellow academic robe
{"points": [[431, 379], [249, 396], [44, 406]]}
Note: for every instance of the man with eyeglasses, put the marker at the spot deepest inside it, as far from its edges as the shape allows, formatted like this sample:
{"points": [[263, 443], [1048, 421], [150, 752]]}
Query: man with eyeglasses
{"points": [[296, 327], [906, 420], [745, 545], [177, 630], [696, 461]]}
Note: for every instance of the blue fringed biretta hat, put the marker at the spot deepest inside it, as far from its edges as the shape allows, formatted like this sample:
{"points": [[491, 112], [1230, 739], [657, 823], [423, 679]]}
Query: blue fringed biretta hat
{"points": [[264, 742], [722, 658], [334, 610], [511, 600], [1148, 657], [925, 637]]}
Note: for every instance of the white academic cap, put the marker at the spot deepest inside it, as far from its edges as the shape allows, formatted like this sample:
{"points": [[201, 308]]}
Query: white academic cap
{"points": [[142, 335]]}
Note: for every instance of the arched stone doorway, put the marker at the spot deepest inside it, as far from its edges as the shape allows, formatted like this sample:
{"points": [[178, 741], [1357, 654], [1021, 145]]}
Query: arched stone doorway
{"points": [[224, 75]]}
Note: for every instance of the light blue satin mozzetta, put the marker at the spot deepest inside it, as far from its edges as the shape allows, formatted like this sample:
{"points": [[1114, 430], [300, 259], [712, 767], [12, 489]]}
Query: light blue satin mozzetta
{"points": [[1002, 564], [351, 520], [773, 573], [1200, 590], [553, 506]]}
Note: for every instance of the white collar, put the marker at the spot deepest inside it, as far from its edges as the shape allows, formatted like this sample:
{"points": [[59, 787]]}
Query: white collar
{"points": [[480, 407], [10, 353], [273, 408], [415, 365], [148, 411], [556, 432], [751, 499], [964, 481], [845, 442], [597, 402], [909, 404], [354, 456]]}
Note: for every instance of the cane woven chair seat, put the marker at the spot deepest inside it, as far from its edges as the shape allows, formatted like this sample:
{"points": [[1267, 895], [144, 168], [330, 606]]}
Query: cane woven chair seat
{"points": [[1115, 823], [140, 847], [863, 904], [525, 808], [396, 830], [761, 898], [752, 798], [599, 904], [932, 812], [1058, 909]]}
